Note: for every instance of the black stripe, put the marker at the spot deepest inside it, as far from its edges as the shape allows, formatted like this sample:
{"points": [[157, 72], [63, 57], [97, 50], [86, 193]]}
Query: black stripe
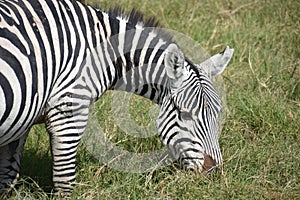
{"points": [[103, 25], [65, 154], [65, 175], [13, 38], [64, 169], [171, 136], [68, 148], [8, 94], [91, 25], [61, 165], [72, 127], [70, 141], [80, 17], [64, 160]]}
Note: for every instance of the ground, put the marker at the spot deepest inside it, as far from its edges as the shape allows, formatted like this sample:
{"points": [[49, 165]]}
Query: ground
{"points": [[260, 139]]}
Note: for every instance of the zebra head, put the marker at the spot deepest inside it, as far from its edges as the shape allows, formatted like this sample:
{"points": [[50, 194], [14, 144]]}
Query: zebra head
{"points": [[188, 117]]}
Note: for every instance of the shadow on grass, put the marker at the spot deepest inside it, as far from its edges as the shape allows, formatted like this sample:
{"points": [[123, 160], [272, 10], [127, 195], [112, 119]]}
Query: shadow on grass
{"points": [[36, 169]]}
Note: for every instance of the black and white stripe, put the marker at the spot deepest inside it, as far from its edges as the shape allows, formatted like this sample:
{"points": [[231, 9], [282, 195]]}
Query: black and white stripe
{"points": [[57, 57]]}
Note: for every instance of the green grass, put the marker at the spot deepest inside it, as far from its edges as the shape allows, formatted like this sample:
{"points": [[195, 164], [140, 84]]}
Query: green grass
{"points": [[260, 140]]}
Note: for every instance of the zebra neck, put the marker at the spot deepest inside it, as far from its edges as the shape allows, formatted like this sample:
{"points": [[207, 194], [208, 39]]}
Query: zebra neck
{"points": [[147, 81], [133, 56]]}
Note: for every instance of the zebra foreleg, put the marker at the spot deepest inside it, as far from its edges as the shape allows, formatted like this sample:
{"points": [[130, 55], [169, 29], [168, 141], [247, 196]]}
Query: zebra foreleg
{"points": [[65, 131], [64, 164], [10, 156]]}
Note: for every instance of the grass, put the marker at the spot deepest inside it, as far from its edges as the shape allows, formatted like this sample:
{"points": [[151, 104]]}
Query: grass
{"points": [[261, 137]]}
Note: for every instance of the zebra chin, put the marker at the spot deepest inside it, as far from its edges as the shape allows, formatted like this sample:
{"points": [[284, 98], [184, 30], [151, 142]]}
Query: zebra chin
{"points": [[200, 165]]}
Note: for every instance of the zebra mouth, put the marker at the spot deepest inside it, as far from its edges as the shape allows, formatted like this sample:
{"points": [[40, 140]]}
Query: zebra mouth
{"points": [[209, 163], [204, 165]]}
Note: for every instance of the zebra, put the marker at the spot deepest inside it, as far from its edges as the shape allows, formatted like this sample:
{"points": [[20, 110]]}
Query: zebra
{"points": [[57, 57]]}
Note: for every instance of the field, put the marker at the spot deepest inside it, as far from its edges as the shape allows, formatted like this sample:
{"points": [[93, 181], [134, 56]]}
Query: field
{"points": [[260, 140]]}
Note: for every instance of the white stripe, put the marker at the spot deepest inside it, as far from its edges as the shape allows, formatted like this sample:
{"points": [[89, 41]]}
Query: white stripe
{"points": [[2, 104], [121, 38], [135, 41], [107, 26], [157, 47], [14, 83]]}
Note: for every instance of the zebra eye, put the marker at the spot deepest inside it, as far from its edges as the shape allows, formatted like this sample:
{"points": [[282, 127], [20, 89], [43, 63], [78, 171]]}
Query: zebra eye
{"points": [[186, 115]]}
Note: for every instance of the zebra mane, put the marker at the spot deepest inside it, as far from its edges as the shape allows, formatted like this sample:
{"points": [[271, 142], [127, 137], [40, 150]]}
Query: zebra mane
{"points": [[134, 16]]}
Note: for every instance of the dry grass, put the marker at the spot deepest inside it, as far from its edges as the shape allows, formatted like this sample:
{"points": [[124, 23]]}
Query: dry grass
{"points": [[260, 140]]}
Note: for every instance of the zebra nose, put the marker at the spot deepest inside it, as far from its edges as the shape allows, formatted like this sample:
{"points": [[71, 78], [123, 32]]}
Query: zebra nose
{"points": [[209, 163]]}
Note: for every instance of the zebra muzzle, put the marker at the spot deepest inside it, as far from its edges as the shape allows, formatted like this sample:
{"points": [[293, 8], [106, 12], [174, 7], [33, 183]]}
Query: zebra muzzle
{"points": [[209, 163]]}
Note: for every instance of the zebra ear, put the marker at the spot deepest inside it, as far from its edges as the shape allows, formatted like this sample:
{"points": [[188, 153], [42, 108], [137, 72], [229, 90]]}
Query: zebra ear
{"points": [[174, 62], [216, 64]]}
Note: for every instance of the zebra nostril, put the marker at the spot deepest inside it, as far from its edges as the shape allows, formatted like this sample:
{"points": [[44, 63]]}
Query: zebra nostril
{"points": [[209, 163]]}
